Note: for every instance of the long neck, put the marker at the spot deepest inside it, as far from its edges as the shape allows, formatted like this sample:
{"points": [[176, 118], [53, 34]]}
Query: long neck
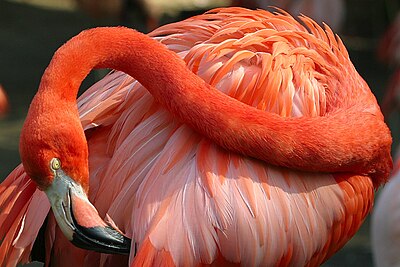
{"points": [[345, 141]]}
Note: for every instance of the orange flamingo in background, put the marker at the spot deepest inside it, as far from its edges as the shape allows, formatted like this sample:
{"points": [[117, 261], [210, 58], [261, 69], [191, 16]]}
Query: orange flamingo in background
{"points": [[3, 102], [263, 146]]}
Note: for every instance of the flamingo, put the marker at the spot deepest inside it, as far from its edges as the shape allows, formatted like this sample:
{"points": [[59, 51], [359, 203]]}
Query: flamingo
{"points": [[236, 137], [385, 230], [3, 102]]}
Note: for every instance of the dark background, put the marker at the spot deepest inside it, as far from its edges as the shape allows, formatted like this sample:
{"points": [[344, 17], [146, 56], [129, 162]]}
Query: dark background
{"points": [[29, 35]]}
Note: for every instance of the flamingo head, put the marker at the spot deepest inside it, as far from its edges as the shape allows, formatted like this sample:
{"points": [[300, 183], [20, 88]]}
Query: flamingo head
{"points": [[54, 154]]}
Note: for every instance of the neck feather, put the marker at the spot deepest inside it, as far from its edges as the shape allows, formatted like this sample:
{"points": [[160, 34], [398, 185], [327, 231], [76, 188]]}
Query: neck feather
{"points": [[344, 141]]}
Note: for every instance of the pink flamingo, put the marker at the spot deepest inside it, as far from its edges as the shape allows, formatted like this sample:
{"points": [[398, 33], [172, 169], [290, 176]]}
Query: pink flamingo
{"points": [[263, 146], [385, 228]]}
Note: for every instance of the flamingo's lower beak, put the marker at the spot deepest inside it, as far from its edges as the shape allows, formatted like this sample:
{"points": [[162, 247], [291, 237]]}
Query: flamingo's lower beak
{"points": [[79, 220]]}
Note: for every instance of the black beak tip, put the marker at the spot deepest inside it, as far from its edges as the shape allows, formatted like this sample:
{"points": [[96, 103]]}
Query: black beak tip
{"points": [[101, 239]]}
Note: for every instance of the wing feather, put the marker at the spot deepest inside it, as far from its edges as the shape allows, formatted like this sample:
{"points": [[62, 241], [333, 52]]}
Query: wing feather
{"points": [[22, 213]]}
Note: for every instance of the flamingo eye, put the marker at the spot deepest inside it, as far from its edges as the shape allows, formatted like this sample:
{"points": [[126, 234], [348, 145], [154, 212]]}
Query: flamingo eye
{"points": [[55, 164]]}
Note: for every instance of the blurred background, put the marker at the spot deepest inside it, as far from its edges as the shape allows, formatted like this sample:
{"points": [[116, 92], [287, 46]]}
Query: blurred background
{"points": [[31, 30]]}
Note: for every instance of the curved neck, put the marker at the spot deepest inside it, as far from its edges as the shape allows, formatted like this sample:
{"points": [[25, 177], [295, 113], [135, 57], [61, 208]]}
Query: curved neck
{"points": [[356, 141]]}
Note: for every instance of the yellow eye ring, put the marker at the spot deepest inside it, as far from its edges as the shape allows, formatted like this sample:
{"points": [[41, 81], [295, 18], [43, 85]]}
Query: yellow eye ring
{"points": [[55, 164]]}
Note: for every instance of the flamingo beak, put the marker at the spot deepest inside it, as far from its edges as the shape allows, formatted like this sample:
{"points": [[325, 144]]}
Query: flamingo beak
{"points": [[79, 220]]}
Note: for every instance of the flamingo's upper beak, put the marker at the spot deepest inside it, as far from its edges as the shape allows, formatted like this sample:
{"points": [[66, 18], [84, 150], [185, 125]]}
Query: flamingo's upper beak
{"points": [[79, 220]]}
